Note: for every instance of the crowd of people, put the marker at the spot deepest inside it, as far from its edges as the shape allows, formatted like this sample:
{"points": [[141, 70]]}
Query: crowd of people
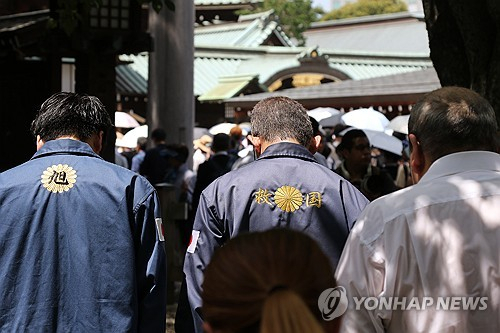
{"points": [[290, 229]]}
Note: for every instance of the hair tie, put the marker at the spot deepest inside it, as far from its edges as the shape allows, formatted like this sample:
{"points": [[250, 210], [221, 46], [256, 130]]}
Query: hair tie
{"points": [[276, 288]]}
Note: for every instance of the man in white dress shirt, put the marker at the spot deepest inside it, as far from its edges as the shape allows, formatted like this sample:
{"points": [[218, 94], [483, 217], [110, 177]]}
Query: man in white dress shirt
{"points": [[427, 258]]}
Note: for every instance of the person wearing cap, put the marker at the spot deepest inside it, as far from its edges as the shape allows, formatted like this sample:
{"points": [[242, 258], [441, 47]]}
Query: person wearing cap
{"points": [[202, 151]]}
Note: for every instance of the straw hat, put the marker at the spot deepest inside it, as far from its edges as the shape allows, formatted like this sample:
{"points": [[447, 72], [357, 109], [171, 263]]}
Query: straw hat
{"points": [[203, 143]]}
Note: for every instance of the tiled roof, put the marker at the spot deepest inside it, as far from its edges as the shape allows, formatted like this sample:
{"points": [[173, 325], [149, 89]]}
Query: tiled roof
{"points": [[373, 66], [250, 30], [268, 60], [208, 70], [130, 82], [388, 33], [223, 2], [407, 84], [213, 63], [138, 63], [19, 21], [223, 50], [228, 87]]}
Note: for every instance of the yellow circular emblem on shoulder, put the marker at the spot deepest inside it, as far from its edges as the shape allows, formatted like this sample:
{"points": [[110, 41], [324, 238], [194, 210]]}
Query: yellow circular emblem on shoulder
{"points": [[288, 198], [59, 178]]}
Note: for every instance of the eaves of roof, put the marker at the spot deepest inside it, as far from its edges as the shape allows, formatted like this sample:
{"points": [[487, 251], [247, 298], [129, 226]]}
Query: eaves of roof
{"points": [[368, 19], [212, 63], [268, 60], [22, 20], [227, 87], [410, 85], [251, 30], [138, 62], [399, 32], [224, 2], [129, 82]]}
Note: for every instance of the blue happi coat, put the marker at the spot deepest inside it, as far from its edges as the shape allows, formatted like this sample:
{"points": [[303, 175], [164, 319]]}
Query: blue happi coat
{"points": [[81, 246], [284, 188]]}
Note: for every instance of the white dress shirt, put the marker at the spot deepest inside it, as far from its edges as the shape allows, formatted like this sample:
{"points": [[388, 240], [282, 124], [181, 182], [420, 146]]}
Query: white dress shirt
{"points": [[438, 238]]}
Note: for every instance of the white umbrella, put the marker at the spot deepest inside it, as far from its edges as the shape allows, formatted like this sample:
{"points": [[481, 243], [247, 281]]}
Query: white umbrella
{"points": [[400, 124], [326, 116], [384, 141], [221, 128], [124, 120], [381, 140], [198, 132], [366, 119], [129, 140]]}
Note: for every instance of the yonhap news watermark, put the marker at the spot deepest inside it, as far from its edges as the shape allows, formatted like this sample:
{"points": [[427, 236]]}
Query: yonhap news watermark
{"points": [[333, 302]]}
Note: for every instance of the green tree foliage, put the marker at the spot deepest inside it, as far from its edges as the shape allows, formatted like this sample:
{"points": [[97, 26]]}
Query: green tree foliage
{"points": [[295, 15], [365, 8]]}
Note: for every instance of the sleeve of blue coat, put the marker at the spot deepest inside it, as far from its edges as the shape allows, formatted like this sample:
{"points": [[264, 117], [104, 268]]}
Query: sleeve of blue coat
{"points": [[354, 202], [207, 235], [151, 266]]}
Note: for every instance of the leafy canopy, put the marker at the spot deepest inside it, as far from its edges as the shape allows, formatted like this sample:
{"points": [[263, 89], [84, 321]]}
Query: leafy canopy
{"points": [[295, 15], [365, 8]]}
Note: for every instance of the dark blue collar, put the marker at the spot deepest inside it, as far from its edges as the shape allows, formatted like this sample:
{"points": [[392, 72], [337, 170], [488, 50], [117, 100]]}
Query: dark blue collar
{"points": [[65, 146], [287, 149]]}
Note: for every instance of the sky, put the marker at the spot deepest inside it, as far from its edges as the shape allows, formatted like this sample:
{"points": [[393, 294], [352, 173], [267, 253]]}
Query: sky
{"points": [[325, 4]]}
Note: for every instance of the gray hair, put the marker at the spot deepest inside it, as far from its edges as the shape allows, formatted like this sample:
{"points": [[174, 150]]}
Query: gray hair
{"points": [[281, 118], [453, 119]]}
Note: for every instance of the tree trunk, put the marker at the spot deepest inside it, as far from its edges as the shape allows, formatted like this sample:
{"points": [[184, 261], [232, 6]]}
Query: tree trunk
{"points": [[464, 47]]}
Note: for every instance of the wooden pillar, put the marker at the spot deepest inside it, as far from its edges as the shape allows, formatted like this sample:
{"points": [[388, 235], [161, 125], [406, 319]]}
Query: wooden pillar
{"points": [[171, 99], [95, 75]]}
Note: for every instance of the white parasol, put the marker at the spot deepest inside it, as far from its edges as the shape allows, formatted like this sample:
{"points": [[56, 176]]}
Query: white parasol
{"points": [[221, 128], [124, 120], [129, 140], [385, 141], [381, 140], [326, 116], [400, 124], [369, 119]]}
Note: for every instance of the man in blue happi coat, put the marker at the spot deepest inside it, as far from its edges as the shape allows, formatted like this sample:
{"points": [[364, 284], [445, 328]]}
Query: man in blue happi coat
{"points": [[285, 187], [81, 242]]}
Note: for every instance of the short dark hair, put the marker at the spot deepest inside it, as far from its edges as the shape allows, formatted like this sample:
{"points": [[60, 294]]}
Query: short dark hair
{"points": [[158, 135], [315, 126], [179, 151], [221, 142], [70, 114], [453, 119], [349, 137], [281, 118]]}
